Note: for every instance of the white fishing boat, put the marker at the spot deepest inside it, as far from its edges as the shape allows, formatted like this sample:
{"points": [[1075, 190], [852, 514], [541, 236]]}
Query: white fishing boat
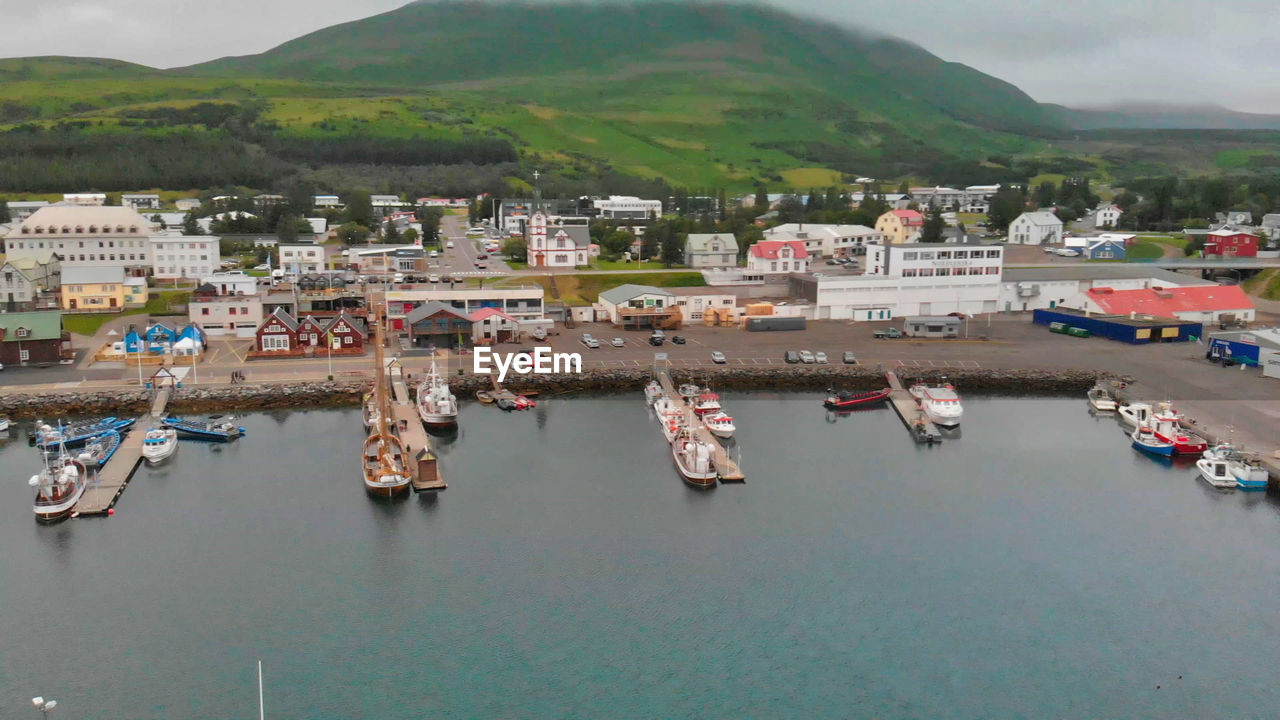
{"points": [[1248, 472], [694, 460], [652, 392], [437, 405], [1221, 451], [706, 403], [159, 444], [1100, 400], [689, 391], [1135, 413], [1216, 473], [669, 417], [4, 424], [940, 402], [369, 411], [58, 486], [720, 424]]}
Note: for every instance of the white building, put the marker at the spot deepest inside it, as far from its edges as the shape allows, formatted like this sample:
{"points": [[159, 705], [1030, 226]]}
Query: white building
{"points": [[1024, 289], [938, 197], [22, 209], [626, 207], [910, 279], [238, 315], [778, 256], [977, 198], [178, 256], [86, 237], [384, 205], [85, 199], [141, 202], [828, 240], [326, 201], [1107, 216], [638, 305], [301, 258], [694, 302], [187, 204], [231, 283], [557, 245], [1035, 228]]}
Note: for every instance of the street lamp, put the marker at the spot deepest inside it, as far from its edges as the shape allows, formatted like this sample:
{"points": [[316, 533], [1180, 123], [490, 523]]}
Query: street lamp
{"points": [[43, 705]]}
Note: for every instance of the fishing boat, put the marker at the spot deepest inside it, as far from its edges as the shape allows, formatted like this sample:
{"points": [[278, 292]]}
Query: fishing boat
{"points": [[4, 424], [1145, 439], [484, 396], [1248, 472], [940, 402], [158, 444], [58, 486], [719, 424], [1222, 451], [670, 418], [1100, 400], [368, 411], [694, 460], [48, 437], [1216, 473], [437, 405], [99, 450], [213, 428], [842, 400], [1135, 413], [383, 459], [1167, 424], [706, 403], [652, 392], [689, 391]]}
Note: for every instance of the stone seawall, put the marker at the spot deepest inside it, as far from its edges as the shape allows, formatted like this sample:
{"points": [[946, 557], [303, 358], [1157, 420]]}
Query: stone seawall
{"points": [[223, 398]]}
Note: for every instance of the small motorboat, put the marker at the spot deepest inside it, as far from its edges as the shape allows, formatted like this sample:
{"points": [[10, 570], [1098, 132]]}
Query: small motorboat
{"points": [[523, 403], [1216, 473], [669, 418], [689, 391], [652, 392], [1248, 472], [707, 402], [1222, 451], [99, 450], [849, 400], [1100, 400], [720, 424], [159, 444], [941, 403], [1145, 439], [484, 396], [1135, 413], [214, 428], [4, 424]]}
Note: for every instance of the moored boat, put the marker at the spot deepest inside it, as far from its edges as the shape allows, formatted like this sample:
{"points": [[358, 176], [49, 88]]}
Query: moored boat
{"points": [[941, 403], [369, 411], [694, 460], [1215, 472], [1167, 424], [1135, 413], [719, 424], [384, 461], [484, 396], [99, 450], [707, 402], [4, 424], [48, 437], [1248, 472], [1145, 439], [158, 444], [670, 418], [58, 486], [437, 405], [652, 392], [689, 391], [842, 400], [213, 428], [1100, 400]]}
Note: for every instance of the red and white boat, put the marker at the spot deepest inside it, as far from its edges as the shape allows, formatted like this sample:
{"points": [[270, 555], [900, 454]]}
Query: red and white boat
{"points": [[850, 400], [1166, 423], [940, 402], [706, 403], [719, 424], [58, 486]]}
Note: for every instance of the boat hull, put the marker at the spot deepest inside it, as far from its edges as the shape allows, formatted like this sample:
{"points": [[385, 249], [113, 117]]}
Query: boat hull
{"points": [[722, 433], [159, 456], [692, 477], [1161, 449], [1209, 473], [942, 420], [438, 419], [52, 513], [864, 400], [1249, 478], [387, 491]]}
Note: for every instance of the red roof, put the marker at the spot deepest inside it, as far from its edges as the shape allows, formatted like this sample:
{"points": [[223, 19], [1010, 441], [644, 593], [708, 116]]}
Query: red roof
{"points": [[909, 217], [485, 313], [768, 249], [1167, 302]]}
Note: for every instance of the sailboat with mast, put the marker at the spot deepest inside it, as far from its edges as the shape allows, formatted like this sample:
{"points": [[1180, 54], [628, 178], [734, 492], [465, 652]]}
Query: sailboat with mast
{"points": [[384, 460]]}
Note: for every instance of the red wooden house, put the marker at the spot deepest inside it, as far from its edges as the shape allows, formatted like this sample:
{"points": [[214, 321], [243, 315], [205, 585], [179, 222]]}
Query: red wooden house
{"points": [[1229, 242], [346, 333], [278, 333], [311, 331]]}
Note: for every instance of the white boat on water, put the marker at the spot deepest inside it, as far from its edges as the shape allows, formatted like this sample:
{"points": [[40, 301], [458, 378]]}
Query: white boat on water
{"points": [[369, 411], [159, 444], [437, 405], [652, 392], [1135, 413], [1100, 400], [941, 403], [694, 460], [1248, 472], [1216, 473], [706, 403], [4, 424], [669, 417], [58, 486], [720, 424], [689, 391]]}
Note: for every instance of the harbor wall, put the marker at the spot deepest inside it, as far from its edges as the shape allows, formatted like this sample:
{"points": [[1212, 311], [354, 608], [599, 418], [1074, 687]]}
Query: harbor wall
{"points": [[267, 396]]}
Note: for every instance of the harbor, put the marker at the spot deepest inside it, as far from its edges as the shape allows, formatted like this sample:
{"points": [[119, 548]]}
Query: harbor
{"points": [[921, 428], [725, 467]]}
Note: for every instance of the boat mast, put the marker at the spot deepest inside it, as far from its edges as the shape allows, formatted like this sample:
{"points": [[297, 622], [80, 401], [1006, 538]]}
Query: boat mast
{"points": [[262, 713]]}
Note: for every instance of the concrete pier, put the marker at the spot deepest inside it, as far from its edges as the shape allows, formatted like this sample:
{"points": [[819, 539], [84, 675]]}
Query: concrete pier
{"points": [[726, 467], [913, 416]]}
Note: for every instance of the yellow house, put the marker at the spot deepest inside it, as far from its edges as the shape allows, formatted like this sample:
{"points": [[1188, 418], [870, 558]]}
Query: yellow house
{"points": [[135, 291], [90, 289], [900, 226]]}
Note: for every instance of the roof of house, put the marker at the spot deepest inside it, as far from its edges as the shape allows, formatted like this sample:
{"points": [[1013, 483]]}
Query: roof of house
{"points": [[769, 249], [45, 325], [579, 234], [907, 217], [623, 293], [701, 242], [284, 317], [79, 219], [92, 275], [427, 309], [1040, 218], [799, 230], [1097, 242], [355, 323], [1106, 271], [486, 313], [1167, 302], [1229, 232], [134, 281]]}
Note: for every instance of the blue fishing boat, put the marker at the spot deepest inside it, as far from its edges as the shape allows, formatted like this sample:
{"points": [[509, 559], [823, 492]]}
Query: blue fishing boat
{"points": [[1146, 440], [48, 437], [100, 449], [213, 429]]}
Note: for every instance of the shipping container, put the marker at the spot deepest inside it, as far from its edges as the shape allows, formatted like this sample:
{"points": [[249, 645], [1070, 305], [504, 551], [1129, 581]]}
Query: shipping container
{"points": [[1077, 332], [762, 324], [1058, 327]]}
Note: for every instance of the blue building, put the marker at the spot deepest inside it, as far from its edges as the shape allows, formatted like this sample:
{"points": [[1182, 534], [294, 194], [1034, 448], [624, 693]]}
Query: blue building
{"points": [[1105, 249], [1137, 331], [1243, 346]]}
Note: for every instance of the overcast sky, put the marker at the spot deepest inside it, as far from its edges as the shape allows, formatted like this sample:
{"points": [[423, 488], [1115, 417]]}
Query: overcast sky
{"points": [[1077, 52]]}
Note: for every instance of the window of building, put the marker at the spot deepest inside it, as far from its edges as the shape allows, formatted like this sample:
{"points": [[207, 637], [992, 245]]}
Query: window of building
{"points": [[909, 272], [943, 271], [944, 254], [926, 255], [24, 355], [993, 253], [910, 255], [205, 311]]}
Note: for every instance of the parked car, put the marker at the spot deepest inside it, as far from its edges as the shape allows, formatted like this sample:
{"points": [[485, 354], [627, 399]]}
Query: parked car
{"points": [[791, 356], [618, 342], [807, 357], [892, 332], [433, 254], [677, 340], [397, 278], [820, 358], [1049, 249], [849, 358], [833, 262], [449, 245], [433, 278], [590, 342], [656, 340], [263, 267], [717, 357]]}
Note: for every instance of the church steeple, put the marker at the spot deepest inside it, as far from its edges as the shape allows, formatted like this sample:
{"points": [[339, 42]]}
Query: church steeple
{"points": [[537, 191]]}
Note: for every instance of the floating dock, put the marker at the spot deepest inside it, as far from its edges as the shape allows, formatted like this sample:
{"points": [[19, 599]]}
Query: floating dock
{"points": [[726, 467], [913, 416], [424, 469], [109, 483]]}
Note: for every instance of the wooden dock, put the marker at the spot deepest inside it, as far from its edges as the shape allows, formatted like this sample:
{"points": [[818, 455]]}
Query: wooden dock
{"points": [[424, 469], [726, 467], [106, 487], [913, 416]]}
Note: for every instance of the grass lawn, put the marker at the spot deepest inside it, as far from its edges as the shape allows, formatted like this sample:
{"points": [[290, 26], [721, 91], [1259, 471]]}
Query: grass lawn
{"points": [[1265, 284], [586, 289], [1143, 250], [157, 304], [1178, 241], [633, 265]]}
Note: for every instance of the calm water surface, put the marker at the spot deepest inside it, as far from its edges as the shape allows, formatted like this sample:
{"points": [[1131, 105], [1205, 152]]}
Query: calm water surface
{"points": [[1036, 567]]}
